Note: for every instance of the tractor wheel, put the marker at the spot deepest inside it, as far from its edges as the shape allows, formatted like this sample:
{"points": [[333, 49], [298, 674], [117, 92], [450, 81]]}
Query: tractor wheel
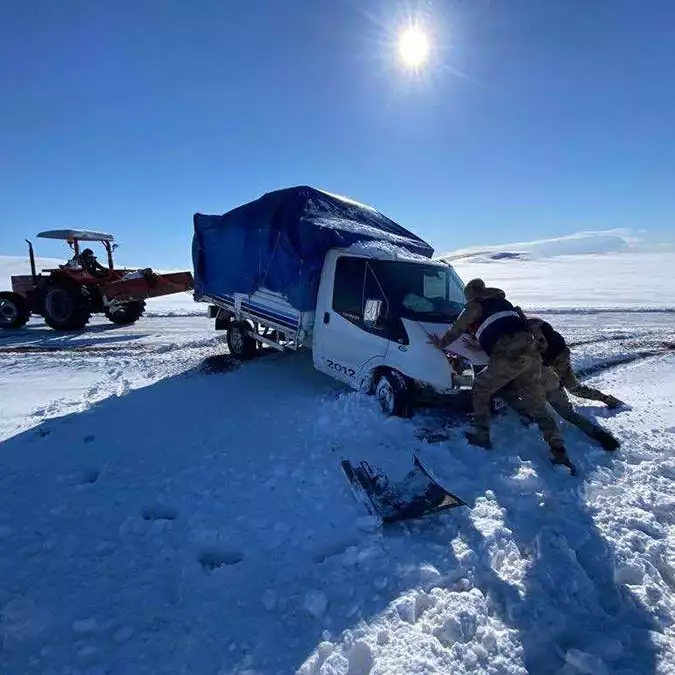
{"points": [[241, 345], [14, 310], [125, 314], [65, 308]]}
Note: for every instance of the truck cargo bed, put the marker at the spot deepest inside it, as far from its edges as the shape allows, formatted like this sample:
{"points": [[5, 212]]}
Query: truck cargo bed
{"points": [[269, 310]]}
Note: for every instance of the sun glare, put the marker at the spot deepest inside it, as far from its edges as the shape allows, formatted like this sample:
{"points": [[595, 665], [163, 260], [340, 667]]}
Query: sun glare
{"points": [[413, 47]]}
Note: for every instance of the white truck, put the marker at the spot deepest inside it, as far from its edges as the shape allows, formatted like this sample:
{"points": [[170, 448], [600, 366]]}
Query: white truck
{"points": [[367, 322]]}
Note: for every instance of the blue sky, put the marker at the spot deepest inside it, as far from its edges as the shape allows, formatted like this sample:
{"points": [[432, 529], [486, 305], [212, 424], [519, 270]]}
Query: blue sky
{"points": [[534, 118]]}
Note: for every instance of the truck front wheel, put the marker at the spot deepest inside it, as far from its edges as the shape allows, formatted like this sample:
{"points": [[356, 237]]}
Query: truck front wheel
{"points": [[239, 341], [393, 394]]}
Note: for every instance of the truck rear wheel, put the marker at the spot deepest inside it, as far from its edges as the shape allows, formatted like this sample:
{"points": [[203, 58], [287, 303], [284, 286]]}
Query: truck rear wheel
{"points": [[125, 314], [239, 341], [14, 310], [393, 394], [66, 308]]}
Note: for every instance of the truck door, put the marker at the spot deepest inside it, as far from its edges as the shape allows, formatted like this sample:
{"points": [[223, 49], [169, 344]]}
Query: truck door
{"points": [[343, 343]]}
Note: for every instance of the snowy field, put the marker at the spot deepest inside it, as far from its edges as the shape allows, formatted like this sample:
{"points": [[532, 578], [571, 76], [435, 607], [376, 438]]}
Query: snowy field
{"points": [[590, 270], [165, 511]]}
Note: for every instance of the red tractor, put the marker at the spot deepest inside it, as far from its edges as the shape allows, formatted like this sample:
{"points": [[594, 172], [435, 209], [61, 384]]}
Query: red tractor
{"points": [[67, 296]]}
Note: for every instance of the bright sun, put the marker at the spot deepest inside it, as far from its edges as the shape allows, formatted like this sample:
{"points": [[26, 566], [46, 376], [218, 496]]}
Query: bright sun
{"points": [[413, 47]]}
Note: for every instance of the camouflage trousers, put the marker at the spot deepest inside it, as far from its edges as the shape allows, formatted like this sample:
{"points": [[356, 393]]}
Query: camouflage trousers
{"points": [[562, 367], [515, 361], [560, 402], [557, 398]]}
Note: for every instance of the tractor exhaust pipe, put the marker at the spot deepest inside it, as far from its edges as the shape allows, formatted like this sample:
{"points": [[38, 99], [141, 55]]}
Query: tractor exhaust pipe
{"points": [[109, 250], [31, 255]]}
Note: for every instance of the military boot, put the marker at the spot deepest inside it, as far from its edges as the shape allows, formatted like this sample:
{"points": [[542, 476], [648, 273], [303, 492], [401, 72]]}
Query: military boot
{"points": [[560, 457], [613, 402], [606, 440]]}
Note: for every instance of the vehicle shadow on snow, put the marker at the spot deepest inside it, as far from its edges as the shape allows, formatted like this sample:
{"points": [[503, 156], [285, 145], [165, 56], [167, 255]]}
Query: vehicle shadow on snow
{"points": [[204, 497], [261, 556], [572, 609]]}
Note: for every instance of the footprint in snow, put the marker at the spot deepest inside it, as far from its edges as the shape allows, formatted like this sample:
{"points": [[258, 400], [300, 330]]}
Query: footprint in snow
{"points": [[213, 558], [220, 363], [159, 512], [90, 476]]}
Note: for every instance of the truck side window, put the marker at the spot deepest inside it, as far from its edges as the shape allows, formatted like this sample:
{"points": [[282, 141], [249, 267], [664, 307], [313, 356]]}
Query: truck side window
{"points": [[348, 288], [383, 287]]}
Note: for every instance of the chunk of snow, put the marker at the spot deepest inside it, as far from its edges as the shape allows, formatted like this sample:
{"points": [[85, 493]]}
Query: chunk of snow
{"points": [[85, 625], [269, 599], [586, 663], [123, 634], [629, 573], [315, 603]]}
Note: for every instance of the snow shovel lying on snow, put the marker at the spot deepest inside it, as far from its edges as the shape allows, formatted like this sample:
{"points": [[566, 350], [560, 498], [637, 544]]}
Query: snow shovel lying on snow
{"points": [[417, 495]]}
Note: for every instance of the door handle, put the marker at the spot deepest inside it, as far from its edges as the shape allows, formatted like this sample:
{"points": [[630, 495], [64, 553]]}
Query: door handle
{"points": [[326, 317]]}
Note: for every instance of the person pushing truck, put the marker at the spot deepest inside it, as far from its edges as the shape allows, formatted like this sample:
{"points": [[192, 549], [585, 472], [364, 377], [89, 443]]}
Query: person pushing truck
{"points": [[504, 336]]}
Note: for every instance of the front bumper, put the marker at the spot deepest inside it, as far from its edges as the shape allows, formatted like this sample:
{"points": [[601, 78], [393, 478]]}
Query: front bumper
{"points": [[458, 397]]}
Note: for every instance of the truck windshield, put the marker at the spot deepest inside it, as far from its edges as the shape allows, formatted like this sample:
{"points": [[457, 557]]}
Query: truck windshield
{"points": [[416, 291]]}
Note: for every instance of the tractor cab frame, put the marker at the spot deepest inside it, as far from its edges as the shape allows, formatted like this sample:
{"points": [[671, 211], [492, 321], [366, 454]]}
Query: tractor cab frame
{"points": [[74, 237]]}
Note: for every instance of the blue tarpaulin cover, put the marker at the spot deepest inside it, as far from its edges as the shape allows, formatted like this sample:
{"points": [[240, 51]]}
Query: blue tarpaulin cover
{"points": [[279, 242]]}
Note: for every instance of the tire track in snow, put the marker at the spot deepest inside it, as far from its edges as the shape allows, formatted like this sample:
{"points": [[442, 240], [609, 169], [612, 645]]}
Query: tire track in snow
{"points": [[620, 337], [615, 362], [83, 372]]}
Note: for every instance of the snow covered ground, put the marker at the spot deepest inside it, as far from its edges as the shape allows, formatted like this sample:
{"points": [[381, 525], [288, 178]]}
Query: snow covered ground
{"points": [[164, 510]]}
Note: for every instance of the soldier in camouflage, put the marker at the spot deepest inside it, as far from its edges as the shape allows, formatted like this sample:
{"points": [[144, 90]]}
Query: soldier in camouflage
{"points": [[514, 359], [556, 355]]}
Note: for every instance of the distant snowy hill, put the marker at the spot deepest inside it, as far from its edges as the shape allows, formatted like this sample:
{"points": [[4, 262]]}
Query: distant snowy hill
{"points": [[598, 270], [11, 265], [582, 243]]}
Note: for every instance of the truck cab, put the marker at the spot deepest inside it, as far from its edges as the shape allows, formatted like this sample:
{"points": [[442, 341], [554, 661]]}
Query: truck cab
{"points": [[373, 319]]}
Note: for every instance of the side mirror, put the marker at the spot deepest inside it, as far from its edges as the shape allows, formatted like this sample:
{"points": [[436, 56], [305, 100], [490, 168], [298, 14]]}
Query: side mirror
{"points": [[372, 312]]}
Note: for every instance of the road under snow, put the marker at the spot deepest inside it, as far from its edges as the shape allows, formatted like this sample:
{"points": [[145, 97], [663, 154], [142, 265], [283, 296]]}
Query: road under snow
{"points": [[164, 511]]}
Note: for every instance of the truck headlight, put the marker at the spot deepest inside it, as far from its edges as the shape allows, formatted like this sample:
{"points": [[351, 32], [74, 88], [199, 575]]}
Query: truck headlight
{"points": [[463, 374]]}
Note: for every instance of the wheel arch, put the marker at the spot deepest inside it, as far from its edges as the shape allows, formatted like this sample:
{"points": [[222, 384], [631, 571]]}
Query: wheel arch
{"points": [[372, 369]]}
